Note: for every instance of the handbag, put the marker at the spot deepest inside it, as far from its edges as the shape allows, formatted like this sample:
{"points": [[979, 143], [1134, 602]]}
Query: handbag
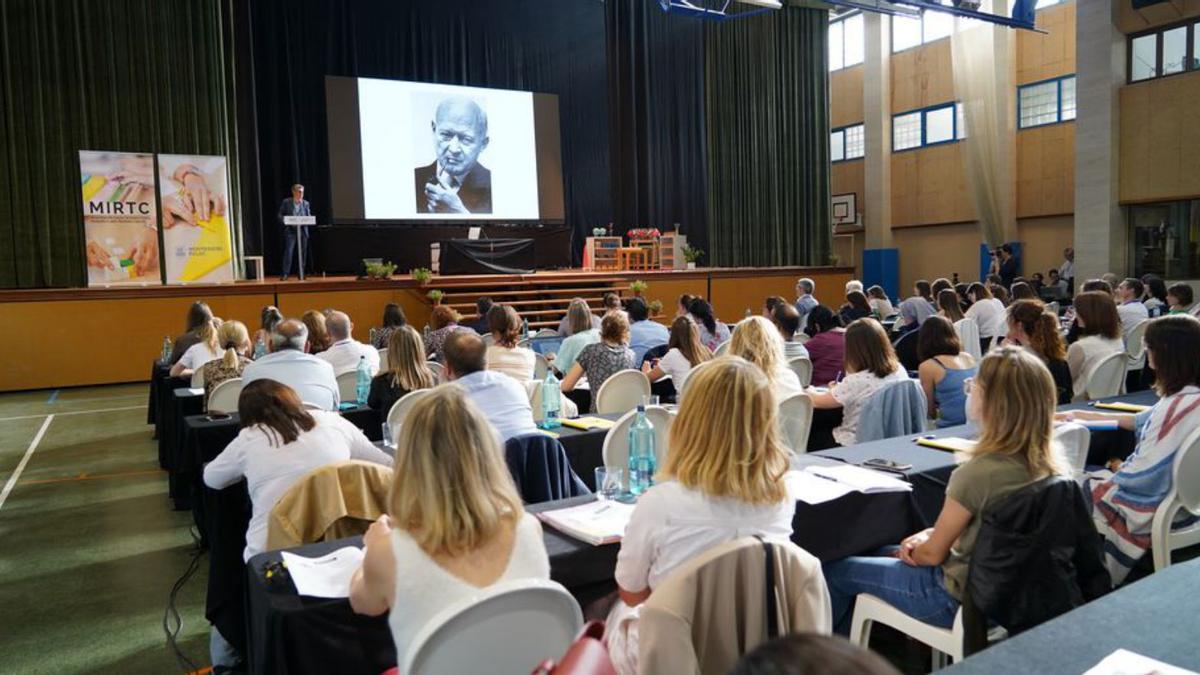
{"points": [[769, 581], [587, 655]]}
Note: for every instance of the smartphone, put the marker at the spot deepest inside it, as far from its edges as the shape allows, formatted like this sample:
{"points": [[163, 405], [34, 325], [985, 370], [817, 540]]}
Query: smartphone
{"points": [[886, 465]]}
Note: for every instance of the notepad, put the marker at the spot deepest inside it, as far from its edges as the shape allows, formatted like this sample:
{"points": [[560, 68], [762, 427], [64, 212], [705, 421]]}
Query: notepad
{"points": [[859, 479], [597, 523], [1122, 407], [327, 576], [813, 489], [588, 422], [950, 444], [1125, 662]]}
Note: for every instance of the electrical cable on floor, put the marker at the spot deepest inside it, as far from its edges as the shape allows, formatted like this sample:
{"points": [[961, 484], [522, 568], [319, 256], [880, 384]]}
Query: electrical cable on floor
{"points": [[172, 622]]}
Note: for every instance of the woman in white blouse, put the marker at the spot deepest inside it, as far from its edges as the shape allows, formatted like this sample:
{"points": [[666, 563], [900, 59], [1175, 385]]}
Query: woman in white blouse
{"points": [[205, 350], [723, 479], [504, 355], [987, 311], [871, 364], [759, 342], [684, 352], [1099, 337], [455, 523]]}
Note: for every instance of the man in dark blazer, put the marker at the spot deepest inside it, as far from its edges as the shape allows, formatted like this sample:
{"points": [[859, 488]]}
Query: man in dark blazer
{"points": [[296, 205], [456, 182]]}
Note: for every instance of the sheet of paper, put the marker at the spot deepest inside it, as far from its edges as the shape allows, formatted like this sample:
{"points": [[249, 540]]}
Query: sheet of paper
{"points": [[811, 488], [860, 479], [1099, 425], [1125, 662], [598, 522], [951, 443], [327, 576], [589, 422], [1122, 407], [196, 391]]}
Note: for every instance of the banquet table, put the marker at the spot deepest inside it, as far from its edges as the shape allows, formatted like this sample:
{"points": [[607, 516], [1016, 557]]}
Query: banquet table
{"points": [[178, 403]]}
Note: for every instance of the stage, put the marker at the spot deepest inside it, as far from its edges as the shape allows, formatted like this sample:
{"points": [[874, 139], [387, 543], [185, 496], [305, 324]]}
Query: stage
{"points": [[86, 336]]}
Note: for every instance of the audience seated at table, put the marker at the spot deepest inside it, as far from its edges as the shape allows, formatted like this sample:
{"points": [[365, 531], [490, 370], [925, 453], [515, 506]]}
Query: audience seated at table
{"points": [[964, 297], [345, 352], [826, 345], [769, 305], [644, 333], [684, 353], [318, 333], [940, 284], [949, 307], [443, 322], [856, 308], [1125, 502], [787, 322], [723, 479], [1032, 327], [1180, 298], [987, 311], [310, 377], [480, 323], [269, 318], [854, 285], [455, 524], [279, 442], [406, 372], [1155, 297], [944, 370], [612, 303], [234, 340], [601, 360], [393, 318], [502, 399], [1022, 291], [198, 315], [712, 331], [757, 340], [1013, 401], [1099, 328], [1055, 288], [205, 349], [566, 328], [685, 301], [805, 300], [812, 654], [871, 364], [581, 332], [914, 310], [503, 355], [881, 305], [1129, 305]]}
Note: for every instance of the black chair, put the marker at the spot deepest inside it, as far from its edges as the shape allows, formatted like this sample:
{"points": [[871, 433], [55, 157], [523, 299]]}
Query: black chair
{"points": [[540, 468], [654, 353], [906, 350]]}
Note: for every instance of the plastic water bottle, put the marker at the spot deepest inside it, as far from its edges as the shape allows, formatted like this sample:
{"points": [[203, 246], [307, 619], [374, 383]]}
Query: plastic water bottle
{"points": [[363, 381], [166, 350], [641, 453], [260, 349], [551, 401]]}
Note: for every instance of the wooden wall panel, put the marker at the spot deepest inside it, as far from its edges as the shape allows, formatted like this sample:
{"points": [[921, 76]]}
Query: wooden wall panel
{"points": [[847, 177], [932, 252], [1043, 240], [1043, 56], [364, 307], [922, 77], [1046, 170], [928, 187], [846, 97], [732, 295], [1160, 139]]}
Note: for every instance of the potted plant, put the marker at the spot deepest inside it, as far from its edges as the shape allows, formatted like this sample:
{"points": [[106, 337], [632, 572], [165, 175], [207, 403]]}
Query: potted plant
{"points": [[692, 256], [380, 271], [435, 296], [422, 275], [655, 307], [638, 287]]}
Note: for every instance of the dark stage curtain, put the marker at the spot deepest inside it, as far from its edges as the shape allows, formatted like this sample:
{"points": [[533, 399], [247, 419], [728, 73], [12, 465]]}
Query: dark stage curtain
{"points": [[125, 75], [550, 46], [657, 119], [768, 139]]}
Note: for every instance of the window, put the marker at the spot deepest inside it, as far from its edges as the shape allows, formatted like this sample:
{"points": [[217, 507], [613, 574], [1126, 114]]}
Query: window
{"points": [[845, 41], [1165, 239], [909, 32], [846, 143], [1164, 51], [1047, 102], [931, 126]]}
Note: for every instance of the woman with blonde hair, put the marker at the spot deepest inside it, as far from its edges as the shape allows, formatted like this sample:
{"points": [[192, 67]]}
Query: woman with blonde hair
{"points": [[722, 480], [234, 338], [407, 370], [581, 331], [318, 335], [925, 577], [205, 349], [758, 341], [503, 355], [684, 353], [871, 364], [455, 524]]}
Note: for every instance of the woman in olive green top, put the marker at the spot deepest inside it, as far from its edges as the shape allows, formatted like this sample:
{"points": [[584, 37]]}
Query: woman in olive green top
{"points": [[1013, 399]]}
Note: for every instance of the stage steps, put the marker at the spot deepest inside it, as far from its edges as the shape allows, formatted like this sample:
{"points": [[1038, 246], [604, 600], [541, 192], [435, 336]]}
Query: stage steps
{"points": [[542, 301]]}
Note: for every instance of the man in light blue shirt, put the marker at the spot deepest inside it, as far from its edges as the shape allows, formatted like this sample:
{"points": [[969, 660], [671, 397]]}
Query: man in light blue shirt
{"points": [[502, 399], [310, 377], [805, 302], [644, 334]]}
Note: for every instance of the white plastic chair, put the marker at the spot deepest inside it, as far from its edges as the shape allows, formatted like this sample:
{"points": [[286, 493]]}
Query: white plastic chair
{"points": [[621, 392], [616, 440], [721, 349], [540, 367], [395, 416], [869, 609], [795, 422], [224, 396], [1074, 439], [546, 332], [347, 384], [802, 366], [1184, 494], [567, 407], [968, 335], [383, 360], [507, 628], [198, 378], [439, 371], [489, 340], [1135, 346], [1053, 308], [1107, 378]]}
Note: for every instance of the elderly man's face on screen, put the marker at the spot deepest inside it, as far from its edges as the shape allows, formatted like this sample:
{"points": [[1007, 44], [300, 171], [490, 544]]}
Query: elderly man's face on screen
{"points": [[459, 135]]}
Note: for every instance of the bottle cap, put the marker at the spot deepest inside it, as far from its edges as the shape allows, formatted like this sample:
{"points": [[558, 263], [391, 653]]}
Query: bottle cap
{"points": [[641, 408]]}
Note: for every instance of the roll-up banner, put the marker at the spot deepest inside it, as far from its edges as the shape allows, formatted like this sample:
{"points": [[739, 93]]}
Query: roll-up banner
{"points": [[194, 194], [120, 221]]}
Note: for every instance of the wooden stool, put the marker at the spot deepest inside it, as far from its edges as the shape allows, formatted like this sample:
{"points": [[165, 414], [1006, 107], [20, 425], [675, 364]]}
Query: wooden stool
{"points": [[257, 260], [627, 254]]}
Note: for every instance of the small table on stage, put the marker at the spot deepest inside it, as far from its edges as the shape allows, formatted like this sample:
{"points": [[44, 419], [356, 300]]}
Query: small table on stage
{"points": [[487, 256]]}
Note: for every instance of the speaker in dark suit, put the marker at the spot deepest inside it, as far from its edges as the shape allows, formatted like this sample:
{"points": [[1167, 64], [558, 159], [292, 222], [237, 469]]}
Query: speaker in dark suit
{"points": [[456, 182], [296, 205]]}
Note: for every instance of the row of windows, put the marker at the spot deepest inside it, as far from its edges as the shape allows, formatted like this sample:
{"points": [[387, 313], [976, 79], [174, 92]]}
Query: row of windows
{"points": [[931, 126], [846, 143], [1166, 51], [1047, 102], [846, 42]]}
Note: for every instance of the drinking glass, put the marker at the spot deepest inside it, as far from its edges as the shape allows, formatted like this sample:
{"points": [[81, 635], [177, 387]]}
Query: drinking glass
{"points": [[610, 482], [649, 400], [389, 441]]}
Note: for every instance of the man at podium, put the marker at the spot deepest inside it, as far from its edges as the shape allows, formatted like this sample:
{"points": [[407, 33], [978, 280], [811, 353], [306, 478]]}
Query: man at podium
{"points": [[296, 205]]}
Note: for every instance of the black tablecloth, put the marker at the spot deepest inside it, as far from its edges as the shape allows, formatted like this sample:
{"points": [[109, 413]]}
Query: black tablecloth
{"points": [[487, 256], [178, 404], [159, 373], [339, 249], [1155, 617]]}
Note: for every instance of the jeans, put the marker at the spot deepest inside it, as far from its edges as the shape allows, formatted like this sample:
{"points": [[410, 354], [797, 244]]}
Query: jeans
{"points": [[917, 591], [289, 249], [222, 653]]}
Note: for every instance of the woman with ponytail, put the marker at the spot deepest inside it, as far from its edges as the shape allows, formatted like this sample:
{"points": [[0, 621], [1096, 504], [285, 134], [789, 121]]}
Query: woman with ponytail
{"points": [[234, 339], [1032, 327]]}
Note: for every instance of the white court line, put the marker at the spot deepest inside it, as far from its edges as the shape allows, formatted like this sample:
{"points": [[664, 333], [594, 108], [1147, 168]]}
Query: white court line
{"points": [[12, 480], [73, 412]]}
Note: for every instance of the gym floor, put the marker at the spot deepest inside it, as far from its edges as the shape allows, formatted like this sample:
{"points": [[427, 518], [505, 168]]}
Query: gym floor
{"points": [[91, 548]]}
